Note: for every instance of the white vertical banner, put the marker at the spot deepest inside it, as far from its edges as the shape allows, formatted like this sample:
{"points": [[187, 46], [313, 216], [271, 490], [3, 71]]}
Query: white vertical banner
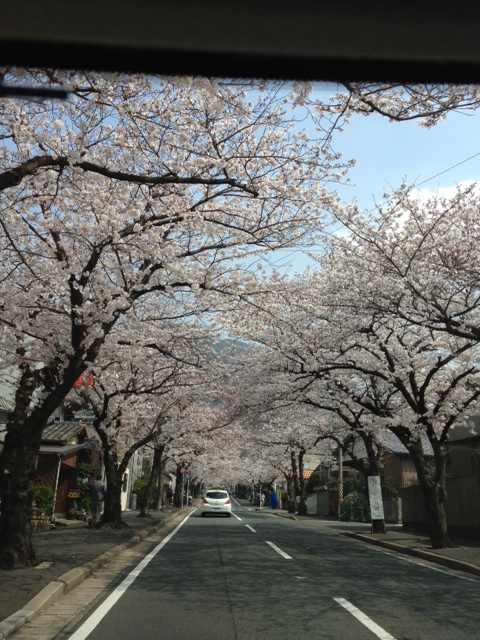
{"points": [[375, 496]]}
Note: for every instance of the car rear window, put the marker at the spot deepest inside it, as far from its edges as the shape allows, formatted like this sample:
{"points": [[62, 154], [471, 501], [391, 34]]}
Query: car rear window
{"points": [[217, 495]]}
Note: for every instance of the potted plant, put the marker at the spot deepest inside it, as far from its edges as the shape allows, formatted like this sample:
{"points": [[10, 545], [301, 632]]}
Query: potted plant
{"points": [[80, 495]]}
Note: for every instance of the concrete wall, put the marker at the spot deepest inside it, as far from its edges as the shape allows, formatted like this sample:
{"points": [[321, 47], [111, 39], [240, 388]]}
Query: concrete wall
{"points": [[392, 508], [318, 503]]}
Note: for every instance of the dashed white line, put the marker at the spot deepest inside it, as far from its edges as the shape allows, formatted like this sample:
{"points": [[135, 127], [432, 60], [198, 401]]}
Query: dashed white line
{"points": [[364, 619], [237, 517], [251, 528], [282, 553]]}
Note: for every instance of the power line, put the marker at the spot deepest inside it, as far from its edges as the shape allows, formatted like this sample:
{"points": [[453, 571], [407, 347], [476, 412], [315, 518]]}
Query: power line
{"points": [[294, 250], [449, 169]]}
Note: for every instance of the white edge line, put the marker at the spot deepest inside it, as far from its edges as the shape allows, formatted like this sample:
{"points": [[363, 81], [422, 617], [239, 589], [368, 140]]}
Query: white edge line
{"points": [[282, 553], [235, 515], [251, 528], [89, 625], [364, 619], [418, 563]]}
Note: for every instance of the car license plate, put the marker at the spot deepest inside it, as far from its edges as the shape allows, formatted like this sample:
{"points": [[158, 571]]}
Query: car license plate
{"points": [[216, 509]]}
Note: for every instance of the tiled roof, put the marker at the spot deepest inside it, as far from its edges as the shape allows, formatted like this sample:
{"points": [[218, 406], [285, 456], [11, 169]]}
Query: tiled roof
{"points": [[63, 432], [392, 445], [306, 473]]}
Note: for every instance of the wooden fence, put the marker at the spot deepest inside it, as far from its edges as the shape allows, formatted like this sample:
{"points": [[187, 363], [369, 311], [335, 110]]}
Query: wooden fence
{"points": [[462, 507]]}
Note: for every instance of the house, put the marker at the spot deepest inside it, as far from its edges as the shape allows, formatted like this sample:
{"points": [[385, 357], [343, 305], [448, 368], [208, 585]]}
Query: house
{"points": [[65, 445], [398, 473], [7, 398], [462, 486]]}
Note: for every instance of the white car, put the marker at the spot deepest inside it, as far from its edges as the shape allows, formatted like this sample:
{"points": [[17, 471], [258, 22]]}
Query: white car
{"points": [[216, 501]]}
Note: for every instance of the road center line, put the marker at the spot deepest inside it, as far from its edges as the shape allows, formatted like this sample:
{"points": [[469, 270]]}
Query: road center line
{"points": [[364, 619], [97, 616], [251, 528], [282, 553]]}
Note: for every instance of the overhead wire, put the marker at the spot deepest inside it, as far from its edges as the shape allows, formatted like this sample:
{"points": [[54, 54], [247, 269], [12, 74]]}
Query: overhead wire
{"points": [[415, 185]]}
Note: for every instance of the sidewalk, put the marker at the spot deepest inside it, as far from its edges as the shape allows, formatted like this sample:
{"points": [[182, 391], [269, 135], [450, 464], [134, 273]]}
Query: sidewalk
{"points": [[66, 556], [464, 556]]}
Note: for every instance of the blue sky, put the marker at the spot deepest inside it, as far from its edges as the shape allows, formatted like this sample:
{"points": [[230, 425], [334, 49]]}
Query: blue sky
{"points": [[387, 153]]}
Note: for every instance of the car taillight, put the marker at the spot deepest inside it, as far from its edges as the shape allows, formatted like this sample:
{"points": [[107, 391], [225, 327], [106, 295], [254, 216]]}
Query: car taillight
{"points": [[204, 501], [227, 501]]}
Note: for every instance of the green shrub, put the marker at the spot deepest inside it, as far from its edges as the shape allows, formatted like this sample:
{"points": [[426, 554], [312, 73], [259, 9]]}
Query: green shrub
{"points": [[44, 497], [355, 508], [313, 482], [140, 488]]}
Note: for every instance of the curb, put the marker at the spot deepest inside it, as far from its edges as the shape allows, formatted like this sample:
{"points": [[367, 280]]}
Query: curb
{"points": [[286, 516], [431, 556], [69, 580]]}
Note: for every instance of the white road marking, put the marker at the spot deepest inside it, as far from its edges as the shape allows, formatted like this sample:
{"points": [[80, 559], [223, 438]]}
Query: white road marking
{"points": [[233, 514], [282, 553], [447, 573], [97, 616], [364, 619], [418, 563], [251, 528]]}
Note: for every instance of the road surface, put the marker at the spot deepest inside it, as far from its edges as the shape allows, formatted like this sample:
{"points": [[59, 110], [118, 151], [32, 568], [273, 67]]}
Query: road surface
{"points": [[256, 576]]}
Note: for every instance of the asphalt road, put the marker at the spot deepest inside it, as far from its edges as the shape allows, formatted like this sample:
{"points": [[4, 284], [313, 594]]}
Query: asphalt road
{"points": [[259, 577]]}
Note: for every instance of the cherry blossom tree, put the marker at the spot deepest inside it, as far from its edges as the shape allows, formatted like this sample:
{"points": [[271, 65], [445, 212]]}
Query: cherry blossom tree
{"points": [[427, 103], [126, 418], [387, 322], [154, 488], [134, 187], [351, 424], [152, 380], [142, 188], [276, 425], [428, 249]]}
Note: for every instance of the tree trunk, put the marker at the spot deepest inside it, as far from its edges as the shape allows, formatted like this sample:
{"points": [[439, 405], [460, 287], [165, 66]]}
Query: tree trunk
{"points": [[291, 495], [160, 494], [153, 480], [112, 512], [435, 503], [18, 464], [177, 498], [18, 472], [302, 505], [378, 526], [435, 493], [114, 470], [433, 485], [292, 485]]}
